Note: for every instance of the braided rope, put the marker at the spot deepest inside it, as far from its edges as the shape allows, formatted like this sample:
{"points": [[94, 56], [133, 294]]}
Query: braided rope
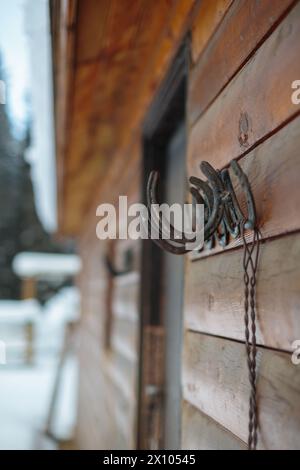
{"points": [[250, 263]]}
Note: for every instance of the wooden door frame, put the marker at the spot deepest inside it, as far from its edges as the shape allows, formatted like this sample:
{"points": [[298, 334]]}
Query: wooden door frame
{"points": [[166, 112]]}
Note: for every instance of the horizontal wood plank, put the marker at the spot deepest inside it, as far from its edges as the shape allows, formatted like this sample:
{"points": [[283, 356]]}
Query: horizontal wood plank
{"points": [[202, 433], [215, 380], [208, 18], [126, 332], [100, 20], [243, 28], [123, 50], [255, 103], [125, 349], [122, 376], [272, 169], [126, 296], [124, 399], [214, 294]]}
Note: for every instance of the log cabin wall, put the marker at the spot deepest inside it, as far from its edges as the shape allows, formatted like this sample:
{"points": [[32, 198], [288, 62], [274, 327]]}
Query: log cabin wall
{"points": [[109, 345], [116, 53], [244, 55], [239, 106]]}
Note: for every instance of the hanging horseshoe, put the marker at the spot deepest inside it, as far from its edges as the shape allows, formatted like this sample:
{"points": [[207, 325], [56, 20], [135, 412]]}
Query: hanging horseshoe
{"points": [[222, 212]]}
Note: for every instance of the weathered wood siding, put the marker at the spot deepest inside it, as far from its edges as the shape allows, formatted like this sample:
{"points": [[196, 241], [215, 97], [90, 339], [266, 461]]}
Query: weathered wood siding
{"points": [[244, 56], [123, 51], [240, 106]]}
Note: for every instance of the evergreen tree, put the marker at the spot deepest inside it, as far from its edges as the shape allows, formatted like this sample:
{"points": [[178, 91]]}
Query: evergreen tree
{"points": [[20, 227], [9, 203]]}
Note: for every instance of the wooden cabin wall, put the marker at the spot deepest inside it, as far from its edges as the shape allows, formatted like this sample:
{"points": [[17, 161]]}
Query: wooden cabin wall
{"points": [[244, 57], [108, 375], [109, 334], [239, 106]]}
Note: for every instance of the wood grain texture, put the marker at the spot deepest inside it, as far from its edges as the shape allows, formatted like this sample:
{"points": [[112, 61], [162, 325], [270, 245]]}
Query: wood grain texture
{"points": [[244, 27], [122, 369], [122, 372], [126, 333], [151, 426], [107, 386], [119, 62], [255, 103], [202, 433], [97, 427], [112, 373], [272, 169], [126, 296], [215, 380], [214, 294], [208, 19], [63, 22]]}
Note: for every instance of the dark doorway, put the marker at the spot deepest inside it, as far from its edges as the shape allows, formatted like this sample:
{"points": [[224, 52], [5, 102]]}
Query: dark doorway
{"points": [[159, 413]]}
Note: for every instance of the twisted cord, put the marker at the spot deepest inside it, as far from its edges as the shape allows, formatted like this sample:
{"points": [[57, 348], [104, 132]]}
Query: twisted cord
{"points": [[250, 263]]}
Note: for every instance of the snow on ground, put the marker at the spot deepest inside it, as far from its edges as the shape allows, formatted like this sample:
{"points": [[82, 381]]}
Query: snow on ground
{"points": [[25, 390], [25, 395]]}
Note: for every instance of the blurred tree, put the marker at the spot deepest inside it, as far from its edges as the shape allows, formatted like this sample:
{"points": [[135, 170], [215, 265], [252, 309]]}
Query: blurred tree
{"points": [[9, 205], [20, 227]]}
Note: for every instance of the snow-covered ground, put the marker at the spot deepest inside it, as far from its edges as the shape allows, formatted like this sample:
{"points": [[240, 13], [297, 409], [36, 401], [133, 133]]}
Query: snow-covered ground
{"points": [[26, 390]]}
